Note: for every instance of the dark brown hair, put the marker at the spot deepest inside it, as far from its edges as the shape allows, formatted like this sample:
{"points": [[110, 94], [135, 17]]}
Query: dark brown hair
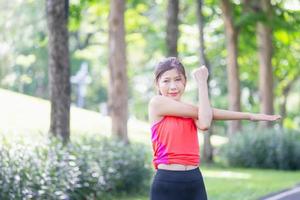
{"points": [[168, 64]]}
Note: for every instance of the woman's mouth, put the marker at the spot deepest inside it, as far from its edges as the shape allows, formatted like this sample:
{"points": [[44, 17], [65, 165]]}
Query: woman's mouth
{"points": [[173, 94]]}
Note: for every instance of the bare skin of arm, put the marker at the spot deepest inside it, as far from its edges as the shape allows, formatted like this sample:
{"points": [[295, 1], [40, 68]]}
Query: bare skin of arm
{"points": [[205, 113], [160, 106]]}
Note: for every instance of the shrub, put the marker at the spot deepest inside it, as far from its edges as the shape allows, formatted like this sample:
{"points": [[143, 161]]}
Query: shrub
{"points": [[87, 168], [264, 149]]}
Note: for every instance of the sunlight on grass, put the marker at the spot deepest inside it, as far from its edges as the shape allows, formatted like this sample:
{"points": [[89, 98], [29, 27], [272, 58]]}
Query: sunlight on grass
{"points": [[227, 174], [23, 114]]}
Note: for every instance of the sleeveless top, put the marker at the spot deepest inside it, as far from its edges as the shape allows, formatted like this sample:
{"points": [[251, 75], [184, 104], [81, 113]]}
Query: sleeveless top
{"points": [[175, 141]]}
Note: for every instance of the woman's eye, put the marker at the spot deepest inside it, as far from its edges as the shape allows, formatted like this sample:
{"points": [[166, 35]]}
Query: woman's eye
{"points": [[166, 81], [178, 79]]}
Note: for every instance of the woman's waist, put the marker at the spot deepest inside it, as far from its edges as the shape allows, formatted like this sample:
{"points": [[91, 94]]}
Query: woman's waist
{"points": [[176, 167], [178, 173]]}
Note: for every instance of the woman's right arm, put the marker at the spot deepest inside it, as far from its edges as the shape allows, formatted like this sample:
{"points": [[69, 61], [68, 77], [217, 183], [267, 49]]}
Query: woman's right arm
{"points": [[160, 106]]}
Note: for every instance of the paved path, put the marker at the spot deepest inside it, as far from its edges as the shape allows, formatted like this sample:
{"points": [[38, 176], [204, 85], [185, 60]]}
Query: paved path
{"points": [[291, 194]]}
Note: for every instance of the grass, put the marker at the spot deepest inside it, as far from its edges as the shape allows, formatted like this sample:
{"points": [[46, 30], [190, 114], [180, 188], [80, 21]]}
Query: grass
{"points": [[246, 184], [22, 114]]}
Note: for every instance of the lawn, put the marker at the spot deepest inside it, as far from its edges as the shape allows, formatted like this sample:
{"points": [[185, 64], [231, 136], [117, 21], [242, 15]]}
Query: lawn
{"points": [[246, 184], [22, 114]]}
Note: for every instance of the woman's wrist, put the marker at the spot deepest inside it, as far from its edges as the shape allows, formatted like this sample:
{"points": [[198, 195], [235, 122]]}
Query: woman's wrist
{"points": [[250, 116], [201, 81]]}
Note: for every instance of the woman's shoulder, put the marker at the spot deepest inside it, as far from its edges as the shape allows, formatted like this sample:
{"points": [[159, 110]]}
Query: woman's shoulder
{"points": [[153, 117], [160, 106], [156, 100]]}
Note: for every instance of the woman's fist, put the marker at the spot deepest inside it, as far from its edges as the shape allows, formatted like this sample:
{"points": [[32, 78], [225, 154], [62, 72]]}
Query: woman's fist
{"points": [[200, 74]]}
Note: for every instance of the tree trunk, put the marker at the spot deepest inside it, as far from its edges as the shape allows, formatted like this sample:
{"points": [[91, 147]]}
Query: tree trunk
{"points": [[59, 70], [172, 27], [118, 91], [231, 33], [285, 93], [208, 149], [264, 39]]}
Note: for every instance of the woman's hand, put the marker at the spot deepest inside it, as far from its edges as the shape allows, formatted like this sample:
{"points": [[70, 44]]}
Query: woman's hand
{"points": [[264, 117], [200, 74]]}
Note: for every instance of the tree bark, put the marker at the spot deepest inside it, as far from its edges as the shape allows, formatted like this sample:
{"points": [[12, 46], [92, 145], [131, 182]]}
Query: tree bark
{"points": [[264, 40], [231, 33], [172, 27], [285, 93], [59, 70], [118, 90], [208, 148]]}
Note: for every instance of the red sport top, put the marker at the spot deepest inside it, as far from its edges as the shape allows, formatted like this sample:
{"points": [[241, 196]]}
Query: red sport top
{"points": [[175, 141]]}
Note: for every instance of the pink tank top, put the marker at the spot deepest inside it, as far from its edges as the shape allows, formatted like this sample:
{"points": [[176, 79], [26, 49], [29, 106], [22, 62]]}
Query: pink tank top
{"points": [[175, 141]]}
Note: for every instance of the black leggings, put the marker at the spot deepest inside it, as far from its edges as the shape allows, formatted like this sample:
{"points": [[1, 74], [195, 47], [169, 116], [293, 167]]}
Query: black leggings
{"points": [[178, 185]]}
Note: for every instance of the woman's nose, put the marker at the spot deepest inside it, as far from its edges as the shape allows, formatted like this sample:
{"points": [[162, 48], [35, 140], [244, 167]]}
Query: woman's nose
{"points": [[173, 85]]}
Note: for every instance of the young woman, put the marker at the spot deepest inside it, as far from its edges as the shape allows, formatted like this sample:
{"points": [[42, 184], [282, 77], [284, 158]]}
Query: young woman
{"points": [[174, 132]]}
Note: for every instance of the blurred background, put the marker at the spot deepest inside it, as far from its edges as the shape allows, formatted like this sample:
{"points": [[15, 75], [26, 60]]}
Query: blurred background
{"points": [[76, 78]]}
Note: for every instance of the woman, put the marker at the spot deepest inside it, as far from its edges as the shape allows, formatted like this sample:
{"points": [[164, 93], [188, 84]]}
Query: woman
{"points": [[174, 132]]}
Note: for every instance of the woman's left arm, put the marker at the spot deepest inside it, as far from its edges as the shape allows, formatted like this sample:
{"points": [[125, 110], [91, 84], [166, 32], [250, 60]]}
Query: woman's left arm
{"points": [[205, 114], [219, 114]]}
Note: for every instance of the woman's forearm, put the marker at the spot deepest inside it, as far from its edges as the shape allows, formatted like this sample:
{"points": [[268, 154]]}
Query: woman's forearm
{"points": [[219, 114], [205, 114]]}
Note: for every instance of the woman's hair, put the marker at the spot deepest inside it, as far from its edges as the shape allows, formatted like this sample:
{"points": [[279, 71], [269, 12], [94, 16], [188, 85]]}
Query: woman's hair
{"points": [[168, 64]]}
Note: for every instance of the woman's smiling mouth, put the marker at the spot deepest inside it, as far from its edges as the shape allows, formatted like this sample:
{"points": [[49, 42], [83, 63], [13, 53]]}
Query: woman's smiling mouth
{"points": [[173, 94]]}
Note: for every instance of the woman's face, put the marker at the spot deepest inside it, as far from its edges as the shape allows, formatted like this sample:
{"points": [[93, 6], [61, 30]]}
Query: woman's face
{"points": [[171, 84]]}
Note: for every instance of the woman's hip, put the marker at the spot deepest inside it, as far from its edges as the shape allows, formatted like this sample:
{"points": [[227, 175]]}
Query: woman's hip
{"points": [[187, 185]]}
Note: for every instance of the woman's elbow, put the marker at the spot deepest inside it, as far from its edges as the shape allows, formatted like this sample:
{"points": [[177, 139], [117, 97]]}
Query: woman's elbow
{"points": [[203, 128], [204, 125]]}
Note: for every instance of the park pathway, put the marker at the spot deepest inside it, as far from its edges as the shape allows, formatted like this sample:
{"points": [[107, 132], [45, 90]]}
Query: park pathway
{"points": [[290, 194]]}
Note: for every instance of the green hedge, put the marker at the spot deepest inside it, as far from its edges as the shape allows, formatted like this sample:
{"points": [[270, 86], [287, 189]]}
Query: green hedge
{"points": [[88, 168], [264, 149]]}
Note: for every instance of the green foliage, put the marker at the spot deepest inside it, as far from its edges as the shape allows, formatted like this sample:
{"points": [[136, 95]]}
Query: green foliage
{"points": [[264, 149], [87, 168], [24, 38]]}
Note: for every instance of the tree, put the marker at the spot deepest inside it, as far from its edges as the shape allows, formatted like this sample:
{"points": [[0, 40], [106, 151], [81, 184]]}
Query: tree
{"points": [[118, 88], [264, 40], [172, 27], [231, 33], [59, 70], [208, 149]]}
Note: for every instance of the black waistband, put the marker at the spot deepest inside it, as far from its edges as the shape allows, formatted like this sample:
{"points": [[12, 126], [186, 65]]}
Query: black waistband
{"points": [[178, 176]]}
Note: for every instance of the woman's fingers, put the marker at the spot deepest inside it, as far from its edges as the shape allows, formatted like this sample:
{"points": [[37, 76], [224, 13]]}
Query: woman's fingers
{"points": [[264, 117], [272, 117], [277, 117]]}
